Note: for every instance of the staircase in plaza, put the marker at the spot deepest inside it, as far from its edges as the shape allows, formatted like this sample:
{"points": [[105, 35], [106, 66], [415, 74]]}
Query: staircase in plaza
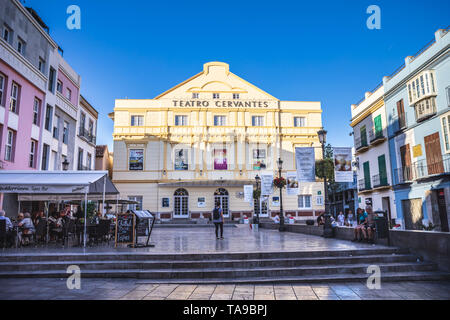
{"points": [[249, 267]]}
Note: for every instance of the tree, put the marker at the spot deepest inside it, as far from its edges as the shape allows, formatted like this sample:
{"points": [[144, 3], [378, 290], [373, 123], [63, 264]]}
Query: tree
{"points": [[326, 164]]}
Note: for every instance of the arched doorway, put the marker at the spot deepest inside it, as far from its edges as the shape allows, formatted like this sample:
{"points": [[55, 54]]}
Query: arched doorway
{"points": [[221, 197], [180, 204]]}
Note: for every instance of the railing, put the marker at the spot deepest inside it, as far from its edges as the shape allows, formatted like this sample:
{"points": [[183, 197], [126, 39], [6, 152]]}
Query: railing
{"points": [[375, 135], [360, 143], [422, 169], [379, 181], [399, 123], [364, 185], [87, 135], [83, 168]]}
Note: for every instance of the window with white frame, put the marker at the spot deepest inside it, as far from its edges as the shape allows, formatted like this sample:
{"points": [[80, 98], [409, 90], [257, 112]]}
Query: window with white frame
{"points": [[216, 96], [181, 120], [235, 95], [257, 121], [66, 132], [421, 86], [7, 33], [59, 86], [195, 95], [14, 102], [9, 147], [299, 122], [56, 127], [137, 121], [304, 202], [32, 154], [445, 124], [48, 117], [36, 111], [68, 94], [2, 88], [89, 161], [41, 65], [45, 156], [448, 95], [220, 120], [20, 46], [137, 206]]}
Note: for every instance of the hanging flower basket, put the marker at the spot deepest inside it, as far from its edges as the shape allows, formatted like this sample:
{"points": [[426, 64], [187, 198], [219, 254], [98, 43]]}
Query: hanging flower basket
{"points": [[279, 182]]}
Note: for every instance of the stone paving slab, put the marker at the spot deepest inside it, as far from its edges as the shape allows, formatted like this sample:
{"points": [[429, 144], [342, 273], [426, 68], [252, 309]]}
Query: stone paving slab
{"points": [[118, 289], [202, 240]]}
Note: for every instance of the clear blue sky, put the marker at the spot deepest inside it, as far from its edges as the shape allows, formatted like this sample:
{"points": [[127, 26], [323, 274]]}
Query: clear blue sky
{"points": [[294, 50]]}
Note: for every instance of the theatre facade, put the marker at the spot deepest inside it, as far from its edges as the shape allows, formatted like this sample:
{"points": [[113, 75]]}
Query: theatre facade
{"points": [[201, 141]]}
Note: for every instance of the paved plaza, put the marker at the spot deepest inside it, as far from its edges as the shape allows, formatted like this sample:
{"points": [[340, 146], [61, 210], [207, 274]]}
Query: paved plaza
{"points": [[119, 289], [239, 238]]}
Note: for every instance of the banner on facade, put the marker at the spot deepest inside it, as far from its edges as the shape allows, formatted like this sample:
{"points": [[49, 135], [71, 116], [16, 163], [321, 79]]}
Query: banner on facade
{"points": [[248, 193], [220, 159], [181, 159], [343, 164], [266, 184], [136, 161], [291, 183], [305, 162]]}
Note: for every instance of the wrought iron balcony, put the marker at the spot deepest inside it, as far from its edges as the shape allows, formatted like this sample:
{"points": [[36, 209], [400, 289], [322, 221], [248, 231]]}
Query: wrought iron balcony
{"points": [[424, 168], [404, 175], [361, 144], [364, 185], [85, 134], [379, 181], [376, 137]]}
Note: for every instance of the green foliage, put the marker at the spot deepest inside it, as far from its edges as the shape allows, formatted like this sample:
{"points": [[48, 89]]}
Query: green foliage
{"points": [[430, 226], [256, 194], [326, 166]]}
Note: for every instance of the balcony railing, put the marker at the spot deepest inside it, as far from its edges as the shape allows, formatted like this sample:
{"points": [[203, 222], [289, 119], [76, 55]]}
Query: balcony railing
{"points": [[364, 185], [361, 144], [87, 135], [379, 181], [83, 168], [376, 135], [422, 169], [399, 123]]}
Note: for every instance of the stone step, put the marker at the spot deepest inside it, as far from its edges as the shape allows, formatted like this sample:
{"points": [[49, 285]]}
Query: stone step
{"points": [[195, 264], [310, 279], [228, 273], [118, 255]]}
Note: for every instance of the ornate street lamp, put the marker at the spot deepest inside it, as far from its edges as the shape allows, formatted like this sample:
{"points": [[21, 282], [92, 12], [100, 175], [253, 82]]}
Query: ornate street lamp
{"points": [[258, 181], [282, 226], [65, 165], [327, 230]]}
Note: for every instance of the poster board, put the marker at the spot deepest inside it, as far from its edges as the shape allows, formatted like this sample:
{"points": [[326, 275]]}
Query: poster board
{"points": [[125, 228]]}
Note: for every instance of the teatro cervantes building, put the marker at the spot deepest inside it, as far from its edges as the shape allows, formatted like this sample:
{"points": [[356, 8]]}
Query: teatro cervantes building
{"points": [[201, 141]]}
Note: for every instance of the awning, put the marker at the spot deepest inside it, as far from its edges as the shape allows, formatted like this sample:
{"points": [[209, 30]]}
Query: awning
{"points": [[207, 183], [55, 182]]}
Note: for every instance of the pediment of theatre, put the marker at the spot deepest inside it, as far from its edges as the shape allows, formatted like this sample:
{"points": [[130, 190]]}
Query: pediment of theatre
{"points": [[215, 78]]}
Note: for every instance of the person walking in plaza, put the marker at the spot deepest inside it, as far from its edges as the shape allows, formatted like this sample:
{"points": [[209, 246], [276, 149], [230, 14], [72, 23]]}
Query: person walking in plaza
{"points": [[218, 220]]}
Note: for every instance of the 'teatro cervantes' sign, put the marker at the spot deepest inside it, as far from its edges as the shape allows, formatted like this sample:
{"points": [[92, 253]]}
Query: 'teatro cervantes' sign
{"points": [[223, 103]]}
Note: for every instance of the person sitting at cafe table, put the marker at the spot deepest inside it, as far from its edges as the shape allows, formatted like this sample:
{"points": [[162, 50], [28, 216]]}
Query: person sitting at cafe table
{"points": [[26, 227], [98, 216], [9, 227], [59, 224]]}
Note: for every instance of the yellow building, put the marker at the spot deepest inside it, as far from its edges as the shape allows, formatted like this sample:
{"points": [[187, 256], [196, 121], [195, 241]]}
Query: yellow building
{"points": [[206, 138]]}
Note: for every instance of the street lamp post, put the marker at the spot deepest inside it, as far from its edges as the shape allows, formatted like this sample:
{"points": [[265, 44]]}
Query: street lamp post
{"points": [[327, 229], [282, 227], [258, 180]]}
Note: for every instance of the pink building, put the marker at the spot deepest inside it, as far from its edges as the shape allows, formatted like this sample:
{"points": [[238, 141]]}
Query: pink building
{"points": [[21, 105]]}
